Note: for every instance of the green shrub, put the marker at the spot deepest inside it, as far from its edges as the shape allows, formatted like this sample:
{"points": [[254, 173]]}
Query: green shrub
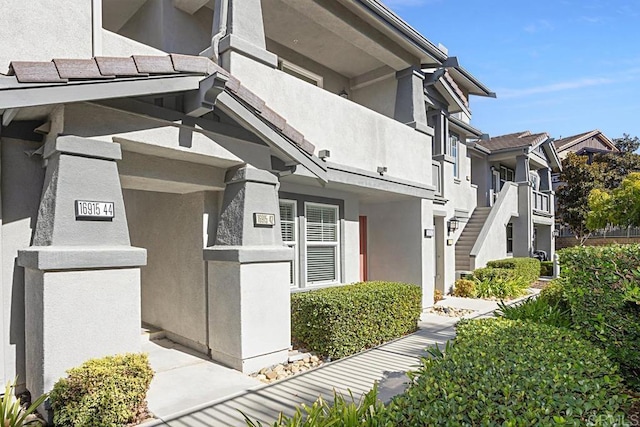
{"points": [[106, 392], [464, 288], [599, 284], [527, 269], [340, 321], [537, 310], [342, 413], [553, 293], [437, 296], [512, 373], [499, 283], [546, 268]]}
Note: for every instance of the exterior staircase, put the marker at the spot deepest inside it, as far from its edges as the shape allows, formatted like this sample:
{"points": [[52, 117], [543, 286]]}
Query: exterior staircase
{"points": [[468, 238]]}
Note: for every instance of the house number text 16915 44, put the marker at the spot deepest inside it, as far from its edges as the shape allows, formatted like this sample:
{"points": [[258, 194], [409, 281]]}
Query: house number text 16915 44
{"points": [[92, 210]]}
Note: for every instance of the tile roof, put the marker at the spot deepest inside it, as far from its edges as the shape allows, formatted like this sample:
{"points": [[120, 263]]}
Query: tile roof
{"points": [[513, 140], [456, 88], [62, 71]]}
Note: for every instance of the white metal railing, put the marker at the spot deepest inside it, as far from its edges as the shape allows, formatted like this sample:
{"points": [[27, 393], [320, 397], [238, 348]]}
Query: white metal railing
{"points": [[436, 177], [540, 201]]}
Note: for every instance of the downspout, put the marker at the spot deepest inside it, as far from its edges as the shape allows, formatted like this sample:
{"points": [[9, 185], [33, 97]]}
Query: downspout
{"points": [[222, 9]]}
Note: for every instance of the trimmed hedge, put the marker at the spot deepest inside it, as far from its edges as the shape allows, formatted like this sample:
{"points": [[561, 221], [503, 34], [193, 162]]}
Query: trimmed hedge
{"points": [[106, 392], [526, 268], [512, 373], [341, 321], [601, 285]]}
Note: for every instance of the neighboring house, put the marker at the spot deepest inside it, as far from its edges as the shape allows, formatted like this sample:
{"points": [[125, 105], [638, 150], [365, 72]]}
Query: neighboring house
{"points": [[328, 143], [584, 144]]}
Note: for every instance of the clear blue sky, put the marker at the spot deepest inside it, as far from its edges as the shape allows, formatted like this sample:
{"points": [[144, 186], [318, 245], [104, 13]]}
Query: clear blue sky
{"points": [[558, 66]]}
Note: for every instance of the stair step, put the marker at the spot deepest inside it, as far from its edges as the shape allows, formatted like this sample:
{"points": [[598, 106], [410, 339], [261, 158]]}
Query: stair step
{"points": [[151, 333]]}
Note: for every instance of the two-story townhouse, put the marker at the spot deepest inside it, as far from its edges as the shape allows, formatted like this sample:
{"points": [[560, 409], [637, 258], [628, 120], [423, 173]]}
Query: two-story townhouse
{"points": [[284, 145], [515, 213]]}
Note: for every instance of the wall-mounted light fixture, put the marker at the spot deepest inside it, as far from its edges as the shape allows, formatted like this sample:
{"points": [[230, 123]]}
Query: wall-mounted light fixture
{"points": [[555, 233], [343, 94], [324, 154], [429, 232], [453, 224], [382, 170]]}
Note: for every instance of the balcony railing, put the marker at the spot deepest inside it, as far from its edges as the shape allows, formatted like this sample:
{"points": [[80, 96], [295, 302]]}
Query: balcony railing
{"points": [[540, 201]]}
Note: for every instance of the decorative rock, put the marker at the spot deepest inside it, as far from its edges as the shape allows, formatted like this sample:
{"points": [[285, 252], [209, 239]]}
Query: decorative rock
{"points": [[299, 362], [449, 311]]}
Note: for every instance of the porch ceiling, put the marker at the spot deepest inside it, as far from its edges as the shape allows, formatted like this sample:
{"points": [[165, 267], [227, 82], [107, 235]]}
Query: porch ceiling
{"points": [[330, 34]]}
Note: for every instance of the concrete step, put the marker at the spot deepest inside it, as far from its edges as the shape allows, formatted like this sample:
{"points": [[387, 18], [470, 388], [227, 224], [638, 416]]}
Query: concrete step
{"points": [[151, 333]]}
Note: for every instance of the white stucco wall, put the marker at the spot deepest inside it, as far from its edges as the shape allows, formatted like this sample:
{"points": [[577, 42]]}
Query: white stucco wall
{"points": [[355, 135], [491, 243], [39, 30], [397, 248], [379, 96], [160, 24], [116, 45], [173, 287]]}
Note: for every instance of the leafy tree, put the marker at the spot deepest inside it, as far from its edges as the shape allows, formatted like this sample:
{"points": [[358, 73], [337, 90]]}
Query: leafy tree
{"points": [[627, 144], [620, 207], [579, 178], [616, 166]]}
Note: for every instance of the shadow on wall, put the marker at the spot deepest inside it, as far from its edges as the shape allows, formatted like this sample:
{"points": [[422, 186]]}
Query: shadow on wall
{"points": [[22, 181]]}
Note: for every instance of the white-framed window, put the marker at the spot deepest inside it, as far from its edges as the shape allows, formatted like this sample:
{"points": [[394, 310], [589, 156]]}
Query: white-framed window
{"points": [[301, 73], [453, 151], [322, 249], [289, 230], [506, 175]]}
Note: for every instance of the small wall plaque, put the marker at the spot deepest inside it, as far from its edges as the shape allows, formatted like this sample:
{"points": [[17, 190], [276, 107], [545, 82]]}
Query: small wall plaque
{"points": [[264, 220], [87, 210]]}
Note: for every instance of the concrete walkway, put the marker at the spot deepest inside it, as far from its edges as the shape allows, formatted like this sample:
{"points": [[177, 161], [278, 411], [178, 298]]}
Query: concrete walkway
{"points": [[386, 364]]}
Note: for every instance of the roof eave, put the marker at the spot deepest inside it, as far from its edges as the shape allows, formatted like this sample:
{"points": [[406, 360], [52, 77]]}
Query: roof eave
{"points": [[387, 16], [473, 84], [466, 127]]}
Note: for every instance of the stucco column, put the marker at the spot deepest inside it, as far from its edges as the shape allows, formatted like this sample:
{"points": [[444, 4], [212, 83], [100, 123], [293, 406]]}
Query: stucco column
{"points": [[441, 131], [522, 168], [545, 179], [410, 107], [248, 275], [523, 224], [82, 277], [242, 32]]}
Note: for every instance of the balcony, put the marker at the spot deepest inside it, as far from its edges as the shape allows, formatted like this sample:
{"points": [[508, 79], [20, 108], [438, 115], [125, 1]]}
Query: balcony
{"points": [[356, 136], [540, 202]]}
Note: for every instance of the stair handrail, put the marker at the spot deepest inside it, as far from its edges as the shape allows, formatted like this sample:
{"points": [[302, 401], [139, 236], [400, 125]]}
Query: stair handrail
{"points": [[508, 189]]}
